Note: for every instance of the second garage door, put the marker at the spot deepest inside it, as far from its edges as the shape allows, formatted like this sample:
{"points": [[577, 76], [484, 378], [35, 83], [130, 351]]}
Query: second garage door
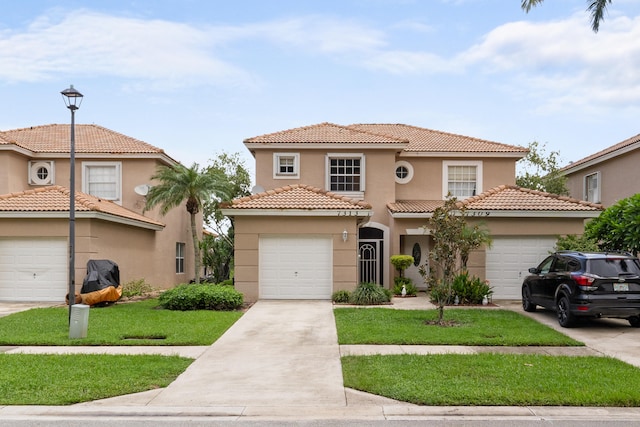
{"points": [[297, 267], [509, 259], [33, 269]]}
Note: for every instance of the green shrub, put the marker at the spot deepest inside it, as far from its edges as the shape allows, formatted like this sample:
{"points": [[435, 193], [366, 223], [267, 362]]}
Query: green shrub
{"points": [[201, 297], [470, 289], [401, 262], [136, 288], [227, 282], [369, 294], [341, 297], [408, 285]]}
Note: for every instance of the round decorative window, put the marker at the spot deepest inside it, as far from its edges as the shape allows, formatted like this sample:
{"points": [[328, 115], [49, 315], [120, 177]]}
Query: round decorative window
{"points": [[404, 172], [42, 173], [416, 252]]}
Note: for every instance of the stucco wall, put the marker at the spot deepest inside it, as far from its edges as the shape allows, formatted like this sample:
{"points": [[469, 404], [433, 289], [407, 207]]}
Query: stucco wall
{"points": [[247, 236], [619, 178]]}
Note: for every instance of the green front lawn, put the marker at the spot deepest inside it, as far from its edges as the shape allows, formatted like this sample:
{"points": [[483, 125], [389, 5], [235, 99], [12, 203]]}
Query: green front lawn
{"points": [[495, 379], [138, 323], [472, 327], [28, 379]]}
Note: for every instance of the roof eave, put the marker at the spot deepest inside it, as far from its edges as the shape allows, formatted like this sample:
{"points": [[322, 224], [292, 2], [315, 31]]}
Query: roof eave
{"points": [[233, 212], [464, 154], [82, 215], [567, 170]]}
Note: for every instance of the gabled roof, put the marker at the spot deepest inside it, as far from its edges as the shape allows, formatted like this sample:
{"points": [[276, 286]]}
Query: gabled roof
{"points": [[53, 202], [618, 149], [325, 133], [427, 140], [297, 197], [411, 140], [504, 200], [55, 138]]}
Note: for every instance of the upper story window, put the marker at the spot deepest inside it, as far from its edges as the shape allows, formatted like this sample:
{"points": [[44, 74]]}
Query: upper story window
{"points": [[102, 179], [462, 179], [286, 165], [592, 187], [345, 173], [404, 172]]}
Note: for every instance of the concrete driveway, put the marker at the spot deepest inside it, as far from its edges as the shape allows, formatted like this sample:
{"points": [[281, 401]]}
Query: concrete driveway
{"points": [[610, 337]]}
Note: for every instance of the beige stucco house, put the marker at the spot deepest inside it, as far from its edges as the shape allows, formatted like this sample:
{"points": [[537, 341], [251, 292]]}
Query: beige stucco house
{"points": [[333, 203], [112, 172], [608, 175]]}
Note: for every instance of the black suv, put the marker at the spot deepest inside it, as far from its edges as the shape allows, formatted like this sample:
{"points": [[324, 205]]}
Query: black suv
{"points": [[585, 284]]}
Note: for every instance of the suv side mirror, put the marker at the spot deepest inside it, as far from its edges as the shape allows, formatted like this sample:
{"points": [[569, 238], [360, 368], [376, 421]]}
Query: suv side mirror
{"points": [[534, 270]]}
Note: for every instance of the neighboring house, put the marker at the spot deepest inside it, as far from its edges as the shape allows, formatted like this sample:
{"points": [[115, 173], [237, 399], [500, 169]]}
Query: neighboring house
{"points": [[112, 174], [608, 175], [341, 200]]}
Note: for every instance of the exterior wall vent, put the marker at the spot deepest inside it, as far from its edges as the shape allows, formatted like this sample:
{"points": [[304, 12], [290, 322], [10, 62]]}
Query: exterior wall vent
{"points": [[41, 172]]}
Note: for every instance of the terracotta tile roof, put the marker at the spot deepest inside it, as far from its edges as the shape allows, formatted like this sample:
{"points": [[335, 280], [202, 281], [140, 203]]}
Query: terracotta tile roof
{"points": [[326, 133], [502, 198], [427, 140], [298, 196], [414, 206], [89, 139], [621, 146], [512, 197], [55, 198]]}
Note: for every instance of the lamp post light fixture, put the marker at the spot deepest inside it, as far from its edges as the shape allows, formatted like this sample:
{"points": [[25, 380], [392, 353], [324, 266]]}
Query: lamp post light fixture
{"points": [[72, 99]]}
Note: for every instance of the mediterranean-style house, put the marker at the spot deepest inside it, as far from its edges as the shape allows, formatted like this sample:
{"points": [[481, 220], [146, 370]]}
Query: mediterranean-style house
{"points": [[608, 175], [333, 203], [112, 176]]}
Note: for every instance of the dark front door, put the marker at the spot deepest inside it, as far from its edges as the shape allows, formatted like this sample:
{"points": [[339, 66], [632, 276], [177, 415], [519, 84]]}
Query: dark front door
{"points": [[370, 251]]}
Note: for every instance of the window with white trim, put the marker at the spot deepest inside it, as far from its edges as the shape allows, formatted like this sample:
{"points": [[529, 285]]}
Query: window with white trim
{"points": [[461, 179], [180, 257], [404, 172], [345, 173], [592, 187], [286, 165], [102, 179]]}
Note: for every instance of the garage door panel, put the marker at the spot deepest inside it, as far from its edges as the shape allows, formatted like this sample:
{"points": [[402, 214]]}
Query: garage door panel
{"points": [[33, 269], [509, 259], [296, 267]]}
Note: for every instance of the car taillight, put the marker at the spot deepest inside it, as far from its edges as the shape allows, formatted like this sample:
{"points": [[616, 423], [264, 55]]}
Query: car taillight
{"points": [[583, 280]]}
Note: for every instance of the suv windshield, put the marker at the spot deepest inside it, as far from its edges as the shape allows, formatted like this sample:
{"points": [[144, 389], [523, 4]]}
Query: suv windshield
{"points": [[613, 267]]}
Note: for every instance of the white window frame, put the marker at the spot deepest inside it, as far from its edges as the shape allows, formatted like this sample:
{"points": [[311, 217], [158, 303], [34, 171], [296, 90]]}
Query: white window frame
{"points": [[86, 166], [352, 194], [283, 175], [445, 175], [408, 166], [180, 258], [597, 191]]}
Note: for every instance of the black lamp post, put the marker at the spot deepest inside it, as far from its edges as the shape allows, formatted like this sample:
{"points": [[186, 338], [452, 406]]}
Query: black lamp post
{"points": [[72, 99]]}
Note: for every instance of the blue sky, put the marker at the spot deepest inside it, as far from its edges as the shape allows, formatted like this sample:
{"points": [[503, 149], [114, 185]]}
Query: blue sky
{"points": [[196, 77]]}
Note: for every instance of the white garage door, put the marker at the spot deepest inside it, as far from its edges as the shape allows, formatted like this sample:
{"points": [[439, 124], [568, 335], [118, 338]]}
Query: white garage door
{"points": [[296, 267], [33, 269], [509, 260]]}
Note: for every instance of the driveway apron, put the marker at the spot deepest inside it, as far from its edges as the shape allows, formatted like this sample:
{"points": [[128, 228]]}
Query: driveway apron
{"points": [[278, 353]]}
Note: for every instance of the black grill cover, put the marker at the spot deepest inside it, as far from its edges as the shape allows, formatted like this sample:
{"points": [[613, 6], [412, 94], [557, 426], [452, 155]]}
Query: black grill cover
{"points": [[101, 273]]}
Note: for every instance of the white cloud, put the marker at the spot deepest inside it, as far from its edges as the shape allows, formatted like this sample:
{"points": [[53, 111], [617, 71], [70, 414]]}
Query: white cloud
{"points": [[166, 54], [563, 61]]}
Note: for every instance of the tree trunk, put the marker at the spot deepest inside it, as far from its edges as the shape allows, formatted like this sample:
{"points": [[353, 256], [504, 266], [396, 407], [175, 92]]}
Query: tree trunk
{"points": [[196, 248]]}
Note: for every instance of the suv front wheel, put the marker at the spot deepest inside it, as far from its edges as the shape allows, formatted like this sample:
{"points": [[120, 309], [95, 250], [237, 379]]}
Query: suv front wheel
{"points": [[565, 318], [527, 304], [634, 321]]}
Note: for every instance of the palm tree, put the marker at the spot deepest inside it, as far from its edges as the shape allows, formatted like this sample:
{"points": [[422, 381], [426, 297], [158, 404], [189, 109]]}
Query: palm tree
{"points": [[178, 183], [596, 7]]}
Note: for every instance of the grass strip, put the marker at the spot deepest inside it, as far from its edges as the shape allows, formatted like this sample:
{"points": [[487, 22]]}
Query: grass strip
{"points": [[28, 379], [138, 323], [495, 379], [490, 327]]}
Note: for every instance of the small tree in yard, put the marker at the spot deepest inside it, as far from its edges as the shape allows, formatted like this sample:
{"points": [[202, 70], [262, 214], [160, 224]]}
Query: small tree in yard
{"points": [[453, 240], [446, 226]]}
